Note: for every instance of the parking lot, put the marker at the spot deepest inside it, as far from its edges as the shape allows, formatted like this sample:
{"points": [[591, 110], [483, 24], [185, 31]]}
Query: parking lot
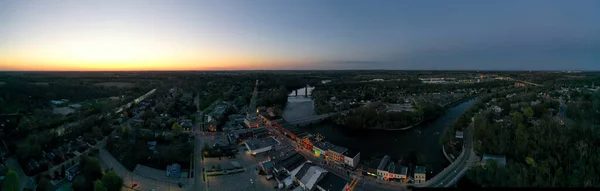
{"points": [[247, 180]]}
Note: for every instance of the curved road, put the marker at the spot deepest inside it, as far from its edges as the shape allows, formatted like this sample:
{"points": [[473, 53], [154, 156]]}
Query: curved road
{"points": [[451, 174]]}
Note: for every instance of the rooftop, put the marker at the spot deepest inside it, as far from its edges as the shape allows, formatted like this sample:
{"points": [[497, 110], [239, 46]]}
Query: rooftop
{"points": [[291, 162], [310, 175], [420, 170], [332, 182], [499, 158], [375, 163], [351, 153], [383, 163], [338, 149], [261, 143], [324, 145]]}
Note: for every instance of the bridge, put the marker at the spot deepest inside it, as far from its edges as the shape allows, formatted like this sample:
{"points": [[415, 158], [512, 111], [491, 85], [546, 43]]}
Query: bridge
{"points": [[526, 82], [452, 174]]}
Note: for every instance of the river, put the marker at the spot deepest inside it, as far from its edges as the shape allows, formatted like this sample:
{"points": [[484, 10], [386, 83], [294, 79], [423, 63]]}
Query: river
{"points": [[423, 139]]}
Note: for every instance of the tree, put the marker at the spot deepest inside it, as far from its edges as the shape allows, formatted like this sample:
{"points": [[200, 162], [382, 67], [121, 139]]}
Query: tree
{"points": [[11, 181], [176, 128], [96, 131], [148, 114], [79, 184], [160, 108], [528, 112], [43, 184], [517, 118], [92, 169], [99, 186], [112, 181]]}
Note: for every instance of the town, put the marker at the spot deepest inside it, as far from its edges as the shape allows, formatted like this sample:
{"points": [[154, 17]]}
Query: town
{"points": [[184, 136]]}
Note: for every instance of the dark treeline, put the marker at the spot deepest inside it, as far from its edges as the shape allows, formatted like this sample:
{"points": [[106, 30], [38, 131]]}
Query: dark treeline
{"points": [[541, 151]]}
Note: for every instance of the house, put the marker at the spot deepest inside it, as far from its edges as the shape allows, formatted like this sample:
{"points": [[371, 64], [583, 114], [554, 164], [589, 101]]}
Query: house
{"points": [[174, 170], [267, 166], [261, 145], [151, 145], [75, 106], [419, 174], [72, 172], [459, 135], [382, 171], [496, 109], [351, 158], [500, 159], [186, 124], [336, 154]]}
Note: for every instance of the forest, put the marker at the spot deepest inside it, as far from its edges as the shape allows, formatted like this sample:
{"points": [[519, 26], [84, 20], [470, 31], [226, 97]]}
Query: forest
{"points": [[542, 152]]}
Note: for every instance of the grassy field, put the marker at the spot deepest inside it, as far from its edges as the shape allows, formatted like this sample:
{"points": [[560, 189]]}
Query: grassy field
{"points": [[116, 84]]}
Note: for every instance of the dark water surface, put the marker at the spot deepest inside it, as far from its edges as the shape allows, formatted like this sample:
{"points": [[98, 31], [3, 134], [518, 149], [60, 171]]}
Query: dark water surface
{"points": [[423, 139]]}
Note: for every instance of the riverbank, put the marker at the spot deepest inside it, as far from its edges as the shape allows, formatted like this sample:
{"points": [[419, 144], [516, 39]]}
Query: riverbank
{"points": [[446, 107], [397, 144]]}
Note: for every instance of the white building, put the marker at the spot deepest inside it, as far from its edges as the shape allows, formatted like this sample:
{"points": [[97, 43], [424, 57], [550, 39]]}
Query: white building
{"points": [[419, 174], [382, 171], [351, 158]]}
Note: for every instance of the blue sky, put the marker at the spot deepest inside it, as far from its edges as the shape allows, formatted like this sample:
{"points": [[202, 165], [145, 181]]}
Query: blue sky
{"points": [[309, 34]]}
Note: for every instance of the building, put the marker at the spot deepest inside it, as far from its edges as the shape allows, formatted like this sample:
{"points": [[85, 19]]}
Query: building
{"points": [[331, 182], [351, 158], [259, 132], [252, 121], [459, 135], [174, 170], [382, 171], [289, 162], [397, 172], [496, 109], [72, 172], [267, 166], [419, 174], [372, 168], [261, 145], [336, 154], [500, 159], [321, 148], [289, 130], [309, 175]]}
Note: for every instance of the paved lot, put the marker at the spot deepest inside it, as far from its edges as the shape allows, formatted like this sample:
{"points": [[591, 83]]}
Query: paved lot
{"points": [[129, 178], [241, 181], [238, 181]]}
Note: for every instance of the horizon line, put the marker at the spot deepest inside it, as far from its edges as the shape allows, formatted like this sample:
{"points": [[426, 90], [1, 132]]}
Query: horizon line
{"points": [[248, 70]]}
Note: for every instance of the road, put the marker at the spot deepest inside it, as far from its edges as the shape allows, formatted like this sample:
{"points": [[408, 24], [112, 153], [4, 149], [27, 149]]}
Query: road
{"points": [[451, 174]]}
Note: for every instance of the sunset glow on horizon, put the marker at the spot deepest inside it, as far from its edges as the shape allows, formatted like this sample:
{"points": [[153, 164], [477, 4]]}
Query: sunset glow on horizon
{"points": [[281, 35]]}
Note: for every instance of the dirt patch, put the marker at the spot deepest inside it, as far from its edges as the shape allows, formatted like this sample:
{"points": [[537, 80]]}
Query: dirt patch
{"points": [[116, 84]]}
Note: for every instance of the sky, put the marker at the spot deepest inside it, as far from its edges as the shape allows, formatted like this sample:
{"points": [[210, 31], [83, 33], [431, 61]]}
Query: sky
{"points": [[81, 35]]}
